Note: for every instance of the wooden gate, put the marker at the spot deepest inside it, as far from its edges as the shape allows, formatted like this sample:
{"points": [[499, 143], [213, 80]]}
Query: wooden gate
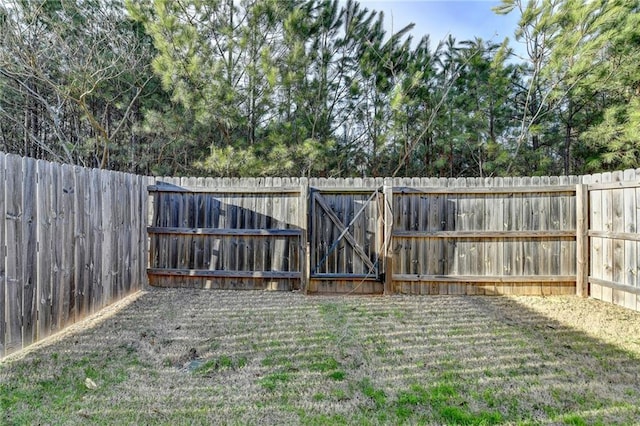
{"points": [[346, 240]]}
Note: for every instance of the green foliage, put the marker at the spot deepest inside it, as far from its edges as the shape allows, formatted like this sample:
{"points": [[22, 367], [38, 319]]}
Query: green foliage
{"points": [[574, 420], [317, 88], [445, 400], [224, 362], [324, 364], [81, 72], [378, 396], [271, 381], [338, 375]]}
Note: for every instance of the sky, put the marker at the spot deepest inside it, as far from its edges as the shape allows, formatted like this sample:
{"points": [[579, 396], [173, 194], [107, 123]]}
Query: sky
{"points": [[463, 19]]}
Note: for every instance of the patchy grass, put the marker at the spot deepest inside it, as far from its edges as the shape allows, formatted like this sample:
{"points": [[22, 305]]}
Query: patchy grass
{"points": [[210, 357]]}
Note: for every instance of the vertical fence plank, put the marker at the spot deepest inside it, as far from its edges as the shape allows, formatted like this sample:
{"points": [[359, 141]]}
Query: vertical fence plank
{"points": [[29, 251], [14, 255], [279, 207], [567, 217], [630, 264], [595, 223], [617, 225], [129, 244], [107, 238], [637, 226], [493, 247], [56, 248], [607, 243], [303, 225], [146, 207], [67, 216], [582, 240], [507, 225], [117, 253], [45, 218], [81, 200], [96, 241], [388, 213]]}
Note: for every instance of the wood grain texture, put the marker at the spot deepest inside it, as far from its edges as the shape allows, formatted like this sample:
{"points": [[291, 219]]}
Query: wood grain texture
{"points": [[29, 252], [14, 254], [228, 228], [52, 268], [582, 241]]}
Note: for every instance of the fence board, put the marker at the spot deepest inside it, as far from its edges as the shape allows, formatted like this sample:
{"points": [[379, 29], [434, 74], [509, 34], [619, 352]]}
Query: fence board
{"points": [[68, 241], [637, 226], [14, 255], [95, 241], [29, 254], [56, 233], [82, 201], [568, 217], [630, 247], [607, 244], [617, 225], [596, 223], [107, 239], [582, 241]]}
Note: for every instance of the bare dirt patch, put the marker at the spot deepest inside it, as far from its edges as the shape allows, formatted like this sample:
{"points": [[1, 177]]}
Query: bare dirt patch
{"points": [[175, 356]]}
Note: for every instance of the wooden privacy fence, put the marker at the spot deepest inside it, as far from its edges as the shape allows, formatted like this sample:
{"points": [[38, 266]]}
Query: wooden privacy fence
{"points": [[410, 236], [72, 241]]}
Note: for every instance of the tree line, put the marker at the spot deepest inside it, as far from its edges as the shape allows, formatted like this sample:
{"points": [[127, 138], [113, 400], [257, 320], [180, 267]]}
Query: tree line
{"points": [[317, 88]]}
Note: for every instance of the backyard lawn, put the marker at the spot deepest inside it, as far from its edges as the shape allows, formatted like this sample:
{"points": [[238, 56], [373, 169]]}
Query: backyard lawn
{"points": [[184, 357]]}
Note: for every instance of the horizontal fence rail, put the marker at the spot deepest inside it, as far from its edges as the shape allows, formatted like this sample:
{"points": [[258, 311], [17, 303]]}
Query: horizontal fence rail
{"points": [[72, 241]]}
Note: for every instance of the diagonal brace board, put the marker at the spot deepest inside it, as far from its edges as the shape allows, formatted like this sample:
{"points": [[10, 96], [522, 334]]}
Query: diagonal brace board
{"points": [[344, 231]]}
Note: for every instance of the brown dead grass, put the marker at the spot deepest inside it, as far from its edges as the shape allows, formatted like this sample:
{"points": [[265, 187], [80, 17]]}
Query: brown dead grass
{"points": [[175, 356]]}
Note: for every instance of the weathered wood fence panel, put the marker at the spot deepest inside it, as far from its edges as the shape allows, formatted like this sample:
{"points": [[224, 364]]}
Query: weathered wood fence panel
{"points": [[228, 233], [484, 236], [613, 237], [72, 241], [446, 236]]}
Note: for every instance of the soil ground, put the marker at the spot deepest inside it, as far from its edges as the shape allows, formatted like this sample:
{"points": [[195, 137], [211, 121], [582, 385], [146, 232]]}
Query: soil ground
{"points": [[179, 356]]}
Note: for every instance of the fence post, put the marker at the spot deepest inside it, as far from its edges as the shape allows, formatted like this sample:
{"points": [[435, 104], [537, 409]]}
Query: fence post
{"points": [[582, 240], [303, 222], [387, 235]]}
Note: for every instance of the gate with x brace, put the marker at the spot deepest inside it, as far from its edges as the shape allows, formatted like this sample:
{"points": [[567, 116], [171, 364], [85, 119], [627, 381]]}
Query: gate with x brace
{"points": [[346, 240]]}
